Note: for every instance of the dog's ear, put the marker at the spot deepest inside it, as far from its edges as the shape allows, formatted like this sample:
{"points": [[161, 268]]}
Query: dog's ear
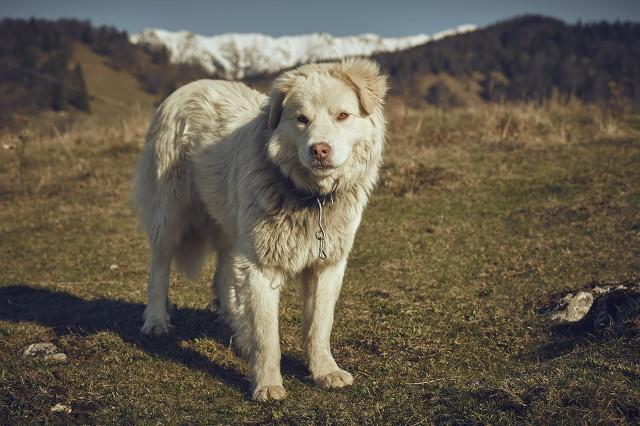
{"points": [[364, 76], [279, 91]]}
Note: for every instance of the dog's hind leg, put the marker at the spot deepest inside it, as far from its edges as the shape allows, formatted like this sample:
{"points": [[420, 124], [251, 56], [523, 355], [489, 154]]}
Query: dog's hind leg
{"points": [[166, 233], [156, 315]]}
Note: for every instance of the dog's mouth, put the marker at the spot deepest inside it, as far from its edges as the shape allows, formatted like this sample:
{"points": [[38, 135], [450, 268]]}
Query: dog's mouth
{"points": [[321, 166]]}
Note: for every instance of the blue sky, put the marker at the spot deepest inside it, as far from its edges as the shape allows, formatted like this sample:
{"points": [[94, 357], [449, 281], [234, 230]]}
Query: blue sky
{"points": [[280, 17]]}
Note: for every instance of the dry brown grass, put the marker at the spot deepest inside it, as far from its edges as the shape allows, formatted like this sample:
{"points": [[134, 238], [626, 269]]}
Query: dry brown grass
{"points": [[523, 124], [45, 153]]}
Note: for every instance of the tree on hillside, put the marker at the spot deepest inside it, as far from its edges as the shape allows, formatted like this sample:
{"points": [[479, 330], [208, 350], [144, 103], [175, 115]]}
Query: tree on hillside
{"points": [[58, 96], [79, 97], [56, 69]]}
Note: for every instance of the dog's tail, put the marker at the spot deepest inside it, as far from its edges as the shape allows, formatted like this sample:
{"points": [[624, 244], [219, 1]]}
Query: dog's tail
{"points": [[191, 254]]}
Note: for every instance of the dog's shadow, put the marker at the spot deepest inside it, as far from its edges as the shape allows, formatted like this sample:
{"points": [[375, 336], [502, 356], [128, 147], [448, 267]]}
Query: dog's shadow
{"points": [[67, 314]]}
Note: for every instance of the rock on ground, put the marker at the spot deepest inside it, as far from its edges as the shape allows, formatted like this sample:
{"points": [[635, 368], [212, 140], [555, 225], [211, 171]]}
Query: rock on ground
{"points": [[601, 306], [573, 308], [60, 408], [46, 351]]}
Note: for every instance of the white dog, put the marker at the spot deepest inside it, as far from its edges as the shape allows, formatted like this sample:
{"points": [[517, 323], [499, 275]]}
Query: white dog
{"points": [[276, 186]]}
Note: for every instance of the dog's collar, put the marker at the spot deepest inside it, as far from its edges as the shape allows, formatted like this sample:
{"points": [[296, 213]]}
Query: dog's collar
{"points": [[312, 198], [303, 197]]}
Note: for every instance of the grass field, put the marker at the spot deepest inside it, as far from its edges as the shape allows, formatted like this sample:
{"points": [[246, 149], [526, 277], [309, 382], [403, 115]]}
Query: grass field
{"points": [[483, 216]]}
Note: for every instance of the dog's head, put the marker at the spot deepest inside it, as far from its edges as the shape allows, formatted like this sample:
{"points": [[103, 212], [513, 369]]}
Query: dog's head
{"points": [[319, 115]]}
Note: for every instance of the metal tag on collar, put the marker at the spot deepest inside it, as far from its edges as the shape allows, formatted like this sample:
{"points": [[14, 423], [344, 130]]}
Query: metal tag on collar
{"points": [[320, 234]]}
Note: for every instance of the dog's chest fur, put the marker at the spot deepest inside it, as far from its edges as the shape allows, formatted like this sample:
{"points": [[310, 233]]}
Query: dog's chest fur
{"points": [[286, 238]]}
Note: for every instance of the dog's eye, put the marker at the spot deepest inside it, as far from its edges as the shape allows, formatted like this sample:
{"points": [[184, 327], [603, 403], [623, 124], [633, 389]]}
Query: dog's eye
{"points": [[343, 116], [302, 119]]}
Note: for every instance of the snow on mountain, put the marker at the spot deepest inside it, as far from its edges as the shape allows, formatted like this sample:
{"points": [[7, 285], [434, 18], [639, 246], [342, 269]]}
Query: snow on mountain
{"points": [[235, 56]]}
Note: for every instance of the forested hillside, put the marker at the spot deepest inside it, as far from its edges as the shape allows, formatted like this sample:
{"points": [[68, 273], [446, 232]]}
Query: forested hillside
{"points": [[524, 58], [37, 69]]}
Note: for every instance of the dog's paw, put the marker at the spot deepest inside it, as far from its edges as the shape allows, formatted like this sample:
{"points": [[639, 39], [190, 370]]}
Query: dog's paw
{"points": [[157, 322], [156, 327], [335, 379], [269, 393]]}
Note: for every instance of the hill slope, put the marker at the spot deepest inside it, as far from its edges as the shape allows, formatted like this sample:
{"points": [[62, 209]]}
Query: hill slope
{"points": [[108, 88]]}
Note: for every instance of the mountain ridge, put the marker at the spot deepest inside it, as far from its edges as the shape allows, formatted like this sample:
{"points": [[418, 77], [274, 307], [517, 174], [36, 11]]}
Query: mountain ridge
{"points": [[243, 55]]}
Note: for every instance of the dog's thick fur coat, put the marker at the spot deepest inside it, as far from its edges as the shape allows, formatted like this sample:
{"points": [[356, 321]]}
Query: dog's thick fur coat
{"points": [[228, 168]]}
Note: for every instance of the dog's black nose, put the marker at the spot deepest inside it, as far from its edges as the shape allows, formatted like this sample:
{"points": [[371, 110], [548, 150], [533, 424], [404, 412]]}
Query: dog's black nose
{"points": [[320, 150]]}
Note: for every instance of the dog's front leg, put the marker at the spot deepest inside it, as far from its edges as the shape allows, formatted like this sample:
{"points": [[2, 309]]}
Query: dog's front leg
{"points": [[255, 322], [320, 294]]}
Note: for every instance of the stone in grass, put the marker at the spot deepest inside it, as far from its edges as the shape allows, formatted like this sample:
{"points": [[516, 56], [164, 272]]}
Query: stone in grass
{"points": [[61, 408], [601, 306], [572, 308], [46, 351]]}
